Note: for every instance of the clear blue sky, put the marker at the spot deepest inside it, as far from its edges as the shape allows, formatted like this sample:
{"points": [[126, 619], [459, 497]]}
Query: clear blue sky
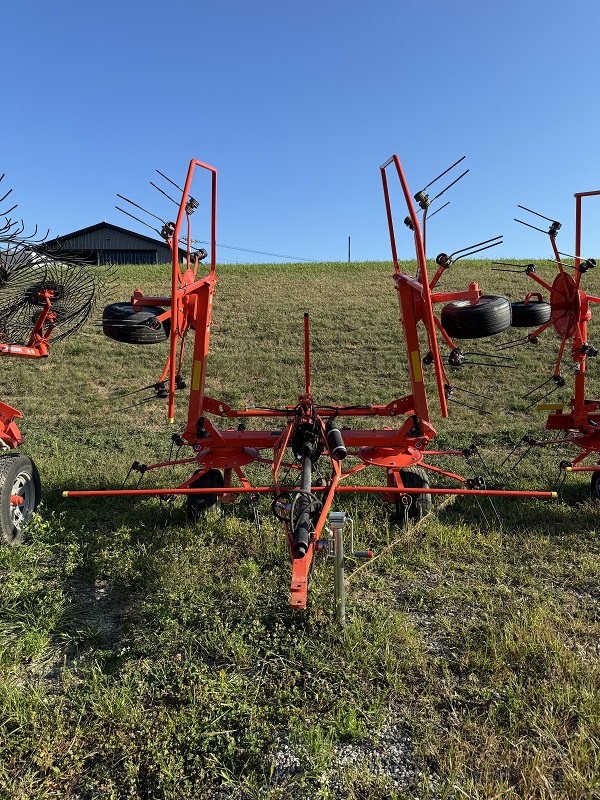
{"points": [[298, 104]]}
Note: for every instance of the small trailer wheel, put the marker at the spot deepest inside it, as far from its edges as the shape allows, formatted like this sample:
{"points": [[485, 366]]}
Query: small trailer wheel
{"points": [[414, 478], [121, 323], [490, 316], [595, 486], [530, 315], [198, 504], [20, 494]]}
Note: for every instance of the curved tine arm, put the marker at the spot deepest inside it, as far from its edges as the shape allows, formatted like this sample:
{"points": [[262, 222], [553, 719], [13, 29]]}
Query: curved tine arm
{"points": [[445, 172], [122, 210], [145, 210], [450, 185], [6, 213], [479, 250], [477, 244]]}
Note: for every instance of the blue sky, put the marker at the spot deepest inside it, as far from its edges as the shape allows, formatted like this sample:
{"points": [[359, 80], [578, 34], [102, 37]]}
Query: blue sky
{"points": [[297, 105]]}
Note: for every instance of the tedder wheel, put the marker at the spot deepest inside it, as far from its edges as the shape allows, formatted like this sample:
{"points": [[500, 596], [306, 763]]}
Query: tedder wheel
{"points": [[415, 478], [491, 315], [198, 504], [122, 323], [530, 315], [595, 487], [19, 478]]}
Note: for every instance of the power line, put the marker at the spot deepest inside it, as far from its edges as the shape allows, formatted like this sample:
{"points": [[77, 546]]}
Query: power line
{"points": [[258, 252]]}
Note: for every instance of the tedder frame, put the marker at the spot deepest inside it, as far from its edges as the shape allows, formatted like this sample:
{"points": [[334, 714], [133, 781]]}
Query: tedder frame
{"points": [[220, 455]]}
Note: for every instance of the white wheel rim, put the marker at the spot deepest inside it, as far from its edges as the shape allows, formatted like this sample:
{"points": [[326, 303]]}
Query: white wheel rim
{"points": [[24, 488]]}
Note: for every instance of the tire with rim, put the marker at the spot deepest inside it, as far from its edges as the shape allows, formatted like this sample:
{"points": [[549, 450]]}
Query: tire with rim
{"points": [[121, 323], [198, 504], [19, 478], [490, 316], [415, 478], [530, 315]]}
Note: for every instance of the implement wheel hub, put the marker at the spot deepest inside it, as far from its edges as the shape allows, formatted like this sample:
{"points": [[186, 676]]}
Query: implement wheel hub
{"points": [[228, 457], [390, 456]]}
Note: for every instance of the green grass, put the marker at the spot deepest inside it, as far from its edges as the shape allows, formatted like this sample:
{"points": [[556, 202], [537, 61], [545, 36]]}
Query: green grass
{"points": [[143, 657]]}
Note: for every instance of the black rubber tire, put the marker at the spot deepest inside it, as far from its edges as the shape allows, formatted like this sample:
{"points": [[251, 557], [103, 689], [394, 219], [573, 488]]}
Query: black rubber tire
{"points": [[198, 504], [595, 486], [532, 315], [490, 316], [18, 476], [121, 323], [415, 478]]}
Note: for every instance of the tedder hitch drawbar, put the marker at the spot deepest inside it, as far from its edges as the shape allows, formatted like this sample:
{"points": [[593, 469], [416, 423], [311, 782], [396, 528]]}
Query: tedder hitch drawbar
{"points": [[306, 432]]}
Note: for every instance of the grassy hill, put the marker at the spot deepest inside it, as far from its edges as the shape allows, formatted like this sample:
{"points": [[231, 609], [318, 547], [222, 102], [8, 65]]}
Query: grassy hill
{"points": [[145, 657]]}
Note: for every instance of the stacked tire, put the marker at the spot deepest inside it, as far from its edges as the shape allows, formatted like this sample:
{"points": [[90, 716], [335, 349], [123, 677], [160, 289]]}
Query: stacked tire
{"points": [[463, 320], [121, 322]]}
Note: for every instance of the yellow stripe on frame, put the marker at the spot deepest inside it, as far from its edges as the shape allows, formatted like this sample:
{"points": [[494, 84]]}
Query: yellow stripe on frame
{"points": [[196, 375], [416, 365]]}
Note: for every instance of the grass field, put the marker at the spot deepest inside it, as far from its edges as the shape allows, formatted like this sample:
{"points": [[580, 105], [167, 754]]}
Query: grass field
{"points": [[145, 657]]}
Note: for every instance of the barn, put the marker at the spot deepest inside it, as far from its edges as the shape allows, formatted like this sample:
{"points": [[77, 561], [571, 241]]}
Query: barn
{"points": [[105, 243]]}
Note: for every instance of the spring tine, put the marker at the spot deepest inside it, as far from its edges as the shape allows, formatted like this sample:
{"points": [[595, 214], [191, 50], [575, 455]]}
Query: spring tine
{"points": [[137, 219], [539, 399], [476, 394], [514, 343], [437, 210], [471, 246], [530, 226], [170, 181], [472, 253], [488, 355], [526, 453], [483, 464], [473, 408], [449, 186], [135, 391], [165, 194], [487, 522], [483, 364], [136, 405], [518, 444], [141, 208], [536, 213], [538, 387], [510, 264], [441, 175]]}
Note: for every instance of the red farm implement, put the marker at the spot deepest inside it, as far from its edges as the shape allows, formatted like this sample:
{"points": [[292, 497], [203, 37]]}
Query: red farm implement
{"points": [[41, 296], [567, 311], [304, 431]]}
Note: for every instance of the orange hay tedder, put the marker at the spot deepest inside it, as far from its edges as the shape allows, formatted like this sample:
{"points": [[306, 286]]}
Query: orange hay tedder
{"points": [[306, 431]]}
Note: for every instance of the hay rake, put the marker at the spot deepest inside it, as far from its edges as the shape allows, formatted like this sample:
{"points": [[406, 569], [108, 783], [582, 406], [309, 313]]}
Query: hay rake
{"points": [[306, 430]]}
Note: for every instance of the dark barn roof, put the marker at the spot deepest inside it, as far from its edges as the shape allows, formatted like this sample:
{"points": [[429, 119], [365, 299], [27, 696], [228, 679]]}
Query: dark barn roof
{"points": [[106, 243]]}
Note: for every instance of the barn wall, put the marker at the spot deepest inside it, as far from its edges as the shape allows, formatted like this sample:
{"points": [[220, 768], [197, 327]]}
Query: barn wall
{"points": [[111, 245]]}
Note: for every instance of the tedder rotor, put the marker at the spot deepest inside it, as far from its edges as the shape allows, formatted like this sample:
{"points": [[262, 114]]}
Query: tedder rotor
{"points": [[568, 311], [41, 296], [305, 431]]}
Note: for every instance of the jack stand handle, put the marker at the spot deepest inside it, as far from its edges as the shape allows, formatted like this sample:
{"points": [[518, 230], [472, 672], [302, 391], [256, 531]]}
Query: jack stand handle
{"points": [[337, 521]]}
